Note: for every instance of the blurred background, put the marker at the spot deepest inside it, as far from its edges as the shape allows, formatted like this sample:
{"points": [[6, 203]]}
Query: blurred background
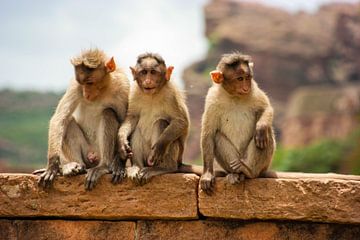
{"points": [[306, 56]]}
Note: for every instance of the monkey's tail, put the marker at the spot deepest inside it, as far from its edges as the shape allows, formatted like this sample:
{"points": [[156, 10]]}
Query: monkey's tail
{"points": [[190, 168], [198, 170], [300, 175]]}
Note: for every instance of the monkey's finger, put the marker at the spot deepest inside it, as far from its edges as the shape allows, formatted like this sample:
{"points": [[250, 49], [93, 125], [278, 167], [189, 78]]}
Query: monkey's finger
{"points": [[47, 179], [52, 177]]}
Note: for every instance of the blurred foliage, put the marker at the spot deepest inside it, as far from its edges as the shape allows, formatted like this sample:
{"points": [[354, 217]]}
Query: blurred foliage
{"points": [[340, 156], [24, 123]]}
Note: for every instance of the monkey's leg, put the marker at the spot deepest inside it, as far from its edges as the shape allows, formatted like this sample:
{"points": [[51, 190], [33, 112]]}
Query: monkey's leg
{"points": [[226, 155], [106, 138], [169, 160], [257, 159], [73, 150]]}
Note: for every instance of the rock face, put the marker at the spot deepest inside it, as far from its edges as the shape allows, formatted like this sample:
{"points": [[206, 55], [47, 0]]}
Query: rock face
{"points": [[165, 197], [284, 199], [289, 51], [243, 230], [325, 112], [60, 229], [312, 206]]}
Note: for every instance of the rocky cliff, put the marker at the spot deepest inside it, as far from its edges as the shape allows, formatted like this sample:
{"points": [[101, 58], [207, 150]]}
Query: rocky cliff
{"points": [[289, 51]]}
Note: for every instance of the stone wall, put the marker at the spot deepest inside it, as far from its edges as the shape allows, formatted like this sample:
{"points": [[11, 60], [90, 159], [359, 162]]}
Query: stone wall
{"points": [[172, 207]]}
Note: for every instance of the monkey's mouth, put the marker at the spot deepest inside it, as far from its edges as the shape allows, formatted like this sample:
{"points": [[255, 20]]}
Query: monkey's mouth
{"points": [[149, 89]]}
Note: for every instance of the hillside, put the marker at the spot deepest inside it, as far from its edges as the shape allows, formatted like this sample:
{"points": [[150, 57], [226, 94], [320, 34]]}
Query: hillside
{"points": [[23, 129], [290, 51]]}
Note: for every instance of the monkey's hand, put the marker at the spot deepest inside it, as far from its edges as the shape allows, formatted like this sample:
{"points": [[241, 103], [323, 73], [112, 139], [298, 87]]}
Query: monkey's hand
{"points": [[47, 178], [125, 150], [262, 135], [207, 182], [117, 169], [93, 175], [157, 152], [72, 169]]}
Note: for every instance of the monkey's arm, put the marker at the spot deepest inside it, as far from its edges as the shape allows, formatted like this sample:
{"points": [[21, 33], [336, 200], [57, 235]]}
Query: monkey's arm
{"points": [[265, 115], [177, 128], [61, 119], [125, 131], [208, 132], [57, 128]]}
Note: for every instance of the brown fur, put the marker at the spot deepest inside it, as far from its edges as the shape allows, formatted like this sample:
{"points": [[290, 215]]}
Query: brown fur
{"points": [[157, 122], [236, 124], [82, 132]]}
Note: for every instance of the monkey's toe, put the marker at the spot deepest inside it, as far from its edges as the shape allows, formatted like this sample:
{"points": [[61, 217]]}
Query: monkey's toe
{"points": [[93, 176], [47, 178], [143, 176], [118, 176], [207, 185]]}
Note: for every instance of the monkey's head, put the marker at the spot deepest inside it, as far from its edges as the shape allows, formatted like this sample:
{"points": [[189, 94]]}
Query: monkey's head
{"points": [[91, 69], [235, 73], [151, 73]]}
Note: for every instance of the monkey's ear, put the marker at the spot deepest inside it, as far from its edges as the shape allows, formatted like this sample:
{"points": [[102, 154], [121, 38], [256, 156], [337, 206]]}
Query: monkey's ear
{"points": [[217, 76], [168, 73], [251, 64], [133, 72], [110, 65]]}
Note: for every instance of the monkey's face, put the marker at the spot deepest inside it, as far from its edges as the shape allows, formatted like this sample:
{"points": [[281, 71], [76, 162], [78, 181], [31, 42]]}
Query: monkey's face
{"points": [[90, 79], [150, 75], [237, 82], [235, 78]]}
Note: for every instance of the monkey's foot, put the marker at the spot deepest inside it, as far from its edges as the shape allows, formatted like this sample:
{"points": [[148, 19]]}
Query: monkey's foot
{"points": [[132, 173], [72, 169], [93, 175], [207, 182], [235, 178], [118, 171], [47, 178]]}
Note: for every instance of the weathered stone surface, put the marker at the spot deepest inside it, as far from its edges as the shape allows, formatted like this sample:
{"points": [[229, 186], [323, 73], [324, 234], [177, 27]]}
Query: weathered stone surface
{"points": [[244, 230], [7, 229], [60, 229], [164, 197], [320, 200]]}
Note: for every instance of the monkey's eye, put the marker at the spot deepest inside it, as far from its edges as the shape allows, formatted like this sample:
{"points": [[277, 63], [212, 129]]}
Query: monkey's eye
{"points": [[89, 83], [240, 78], [153, 72], [87, 69], [248, 77], [143, 72]]}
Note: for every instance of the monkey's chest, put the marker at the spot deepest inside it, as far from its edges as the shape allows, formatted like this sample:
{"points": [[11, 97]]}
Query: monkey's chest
{"points": [[89, 117], [238, 126]]}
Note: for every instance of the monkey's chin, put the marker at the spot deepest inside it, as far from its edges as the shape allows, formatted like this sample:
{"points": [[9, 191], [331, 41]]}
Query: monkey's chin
{"points": [[149, 91]]}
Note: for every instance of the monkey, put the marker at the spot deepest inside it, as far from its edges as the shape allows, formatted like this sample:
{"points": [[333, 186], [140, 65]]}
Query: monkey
{"points": [[236, 124], [83, 129], [237, 127], [157, 122]]}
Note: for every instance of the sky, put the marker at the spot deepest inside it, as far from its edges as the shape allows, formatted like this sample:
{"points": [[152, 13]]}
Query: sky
{"points": [[38, 38]]}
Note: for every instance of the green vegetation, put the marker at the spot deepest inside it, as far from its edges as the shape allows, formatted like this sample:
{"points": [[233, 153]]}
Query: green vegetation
{"points": [[24, 123], [341, 156]]}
